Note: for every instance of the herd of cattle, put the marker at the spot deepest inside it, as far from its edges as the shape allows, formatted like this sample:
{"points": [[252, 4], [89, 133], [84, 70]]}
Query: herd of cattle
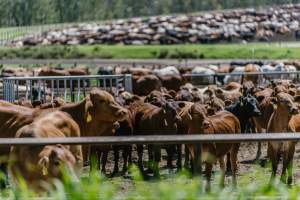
{"points": [[275, 23], [163, 103]]}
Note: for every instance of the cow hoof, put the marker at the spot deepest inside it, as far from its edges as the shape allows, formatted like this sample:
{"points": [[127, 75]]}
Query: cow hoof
{"points": [[289, 180]]}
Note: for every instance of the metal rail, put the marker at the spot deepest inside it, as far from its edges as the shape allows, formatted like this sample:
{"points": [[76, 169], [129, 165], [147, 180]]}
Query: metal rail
{"points": [[153, 139], [37, 88]]}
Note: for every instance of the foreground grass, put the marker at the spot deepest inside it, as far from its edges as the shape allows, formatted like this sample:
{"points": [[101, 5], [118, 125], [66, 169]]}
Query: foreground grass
{"points": [[253, 185], [215, 51]]}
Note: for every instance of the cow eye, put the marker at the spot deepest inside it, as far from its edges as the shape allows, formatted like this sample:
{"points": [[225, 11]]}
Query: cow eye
{"points": [[56, 163]]}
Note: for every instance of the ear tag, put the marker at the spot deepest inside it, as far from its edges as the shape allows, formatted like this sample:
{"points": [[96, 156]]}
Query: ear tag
{"points": [[164, 111], [45, 171], [89, 118], [274, 106], [242, 104], [190, 117]]}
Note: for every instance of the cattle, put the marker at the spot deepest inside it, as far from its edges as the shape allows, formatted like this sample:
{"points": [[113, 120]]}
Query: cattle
{"points": [[36, 164], [90, 114], [223, 122], [151, 120], [207, 76], [252, 68], [234, 78], [171, 82], [279, 122], [167, 71], [232, 95], [95, 114], [143, 85]]}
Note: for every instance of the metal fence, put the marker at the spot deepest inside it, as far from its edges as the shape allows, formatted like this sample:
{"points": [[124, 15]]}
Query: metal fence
{"points": [[264, 77], [70, 88], [154, 139]]}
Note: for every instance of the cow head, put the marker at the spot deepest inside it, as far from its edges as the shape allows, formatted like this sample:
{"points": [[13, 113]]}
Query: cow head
{"points": [[249, 105], [53, 159], [285, 102], [170, 116], [197, 117], [101, 106]]}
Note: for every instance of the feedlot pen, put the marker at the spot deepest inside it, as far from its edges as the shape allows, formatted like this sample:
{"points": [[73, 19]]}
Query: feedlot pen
{"points": [[74, 88]]}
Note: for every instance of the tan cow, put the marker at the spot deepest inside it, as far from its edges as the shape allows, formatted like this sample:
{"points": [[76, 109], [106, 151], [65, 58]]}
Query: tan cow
{"points": [[284, 109]]}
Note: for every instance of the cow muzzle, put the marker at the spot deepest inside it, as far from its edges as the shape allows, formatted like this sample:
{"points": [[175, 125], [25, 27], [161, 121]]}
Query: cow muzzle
{"points": [[294, 111], [256, 112]]}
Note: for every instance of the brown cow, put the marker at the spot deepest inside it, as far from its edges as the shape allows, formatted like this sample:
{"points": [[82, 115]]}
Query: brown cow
{"points": [[223, 122], [151, 120], [36, 164], [143, 85], [284, 109], [95, 114], [92, 115]]}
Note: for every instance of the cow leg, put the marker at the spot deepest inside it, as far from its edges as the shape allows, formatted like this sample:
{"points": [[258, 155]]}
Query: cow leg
{"points": [[140, 157], [104, 161], [150, 158], [157, 156], [222, 168], [289, 164], [274, 157], [179, 159], [258, 153], [186, 157], [208, 171], [228, 164], [3, 180], [169, 157], [77, 152], [233, 160], [125, 155], [86, 154], [116, 159]]}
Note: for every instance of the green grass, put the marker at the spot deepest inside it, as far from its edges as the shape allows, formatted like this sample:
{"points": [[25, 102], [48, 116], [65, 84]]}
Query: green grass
{"points": [[252, 185], [215, 51]]}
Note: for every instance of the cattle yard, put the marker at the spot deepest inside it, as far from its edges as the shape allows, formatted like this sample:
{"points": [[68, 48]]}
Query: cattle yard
{"points": [[194, 86]]}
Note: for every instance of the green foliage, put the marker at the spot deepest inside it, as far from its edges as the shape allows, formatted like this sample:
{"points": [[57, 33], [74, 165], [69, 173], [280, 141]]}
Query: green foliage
{"points": [[179, 186], [33, 12]]}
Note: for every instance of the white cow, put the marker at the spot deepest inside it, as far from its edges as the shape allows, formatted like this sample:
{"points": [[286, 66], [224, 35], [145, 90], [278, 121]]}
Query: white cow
{"points": [[234, 78], [202, 80], [167, 71]]}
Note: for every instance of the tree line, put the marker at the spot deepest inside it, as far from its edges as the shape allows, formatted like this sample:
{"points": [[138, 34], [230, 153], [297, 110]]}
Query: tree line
{"points": [[36, 12]]}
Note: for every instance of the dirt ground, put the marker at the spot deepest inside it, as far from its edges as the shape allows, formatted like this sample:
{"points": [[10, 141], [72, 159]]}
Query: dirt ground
{"points": [[246, 167]]}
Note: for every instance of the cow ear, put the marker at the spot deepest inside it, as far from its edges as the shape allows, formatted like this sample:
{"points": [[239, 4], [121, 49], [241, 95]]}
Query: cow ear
{"points": [[260, 98], [228, 102], [181, 104], [43, 164], [297, 98]]}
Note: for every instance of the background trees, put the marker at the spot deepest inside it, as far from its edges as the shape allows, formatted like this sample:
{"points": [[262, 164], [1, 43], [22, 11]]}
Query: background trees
{"points": [[33, 12]]}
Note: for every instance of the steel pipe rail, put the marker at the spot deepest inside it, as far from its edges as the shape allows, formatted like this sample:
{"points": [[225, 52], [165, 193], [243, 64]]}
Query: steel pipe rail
{"points": [[242, 74], [154, 139]]}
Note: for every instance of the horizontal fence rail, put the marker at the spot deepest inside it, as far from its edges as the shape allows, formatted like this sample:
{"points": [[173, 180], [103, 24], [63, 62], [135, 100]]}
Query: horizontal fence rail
{"points": [[154, 139]]}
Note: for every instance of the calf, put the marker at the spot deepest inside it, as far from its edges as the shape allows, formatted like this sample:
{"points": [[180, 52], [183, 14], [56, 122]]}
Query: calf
{"points": [[49, 125], [284, 109], [223, 122]]}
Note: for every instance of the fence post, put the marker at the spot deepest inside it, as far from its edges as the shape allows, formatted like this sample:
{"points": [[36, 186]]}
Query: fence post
{"points": [[128, 82]]}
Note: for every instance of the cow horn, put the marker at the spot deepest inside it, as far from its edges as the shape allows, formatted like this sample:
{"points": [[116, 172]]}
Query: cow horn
{"points": [[165, 122]]}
